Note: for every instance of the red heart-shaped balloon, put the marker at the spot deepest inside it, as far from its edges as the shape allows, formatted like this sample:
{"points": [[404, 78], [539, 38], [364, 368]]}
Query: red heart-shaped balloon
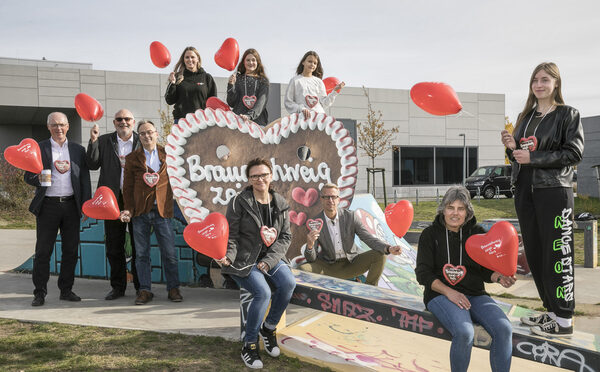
{"points": [[228, 54], [159, 54], [103, 206], [436, 98], [209, 236], [88, 108], [215, 103], [498, 249], [330, 83], [399, 217], [26, 155]]}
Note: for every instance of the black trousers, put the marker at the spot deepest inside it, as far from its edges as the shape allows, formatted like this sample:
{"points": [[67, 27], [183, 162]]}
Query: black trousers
{"points": [[115, 231], [546, 220], [54, 216]]}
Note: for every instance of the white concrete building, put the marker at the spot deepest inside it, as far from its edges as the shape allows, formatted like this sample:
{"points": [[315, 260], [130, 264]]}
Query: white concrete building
{"points": [[427, 152]]}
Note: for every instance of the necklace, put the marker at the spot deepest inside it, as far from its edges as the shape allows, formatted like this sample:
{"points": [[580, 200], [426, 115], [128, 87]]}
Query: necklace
{"points": [[247, 100], [454, 274], [268, 234], [531, 117]]}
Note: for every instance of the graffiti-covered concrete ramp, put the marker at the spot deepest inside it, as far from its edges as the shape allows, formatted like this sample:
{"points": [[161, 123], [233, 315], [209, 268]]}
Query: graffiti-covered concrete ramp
{"points": [[396, 306]]}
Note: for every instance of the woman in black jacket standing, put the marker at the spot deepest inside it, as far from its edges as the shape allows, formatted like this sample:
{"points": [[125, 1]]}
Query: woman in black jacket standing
{"points": [[248, 89], [259, 237], [545, 145], [453, 283], [189, 85]]}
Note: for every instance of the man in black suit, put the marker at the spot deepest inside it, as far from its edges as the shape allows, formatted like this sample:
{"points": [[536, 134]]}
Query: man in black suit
{"points": [[331, 250], [108, 153], [58, 206]]}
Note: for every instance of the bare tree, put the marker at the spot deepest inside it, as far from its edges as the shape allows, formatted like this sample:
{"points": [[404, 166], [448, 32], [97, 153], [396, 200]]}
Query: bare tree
{"points": [[166, 119], [373, 138]]}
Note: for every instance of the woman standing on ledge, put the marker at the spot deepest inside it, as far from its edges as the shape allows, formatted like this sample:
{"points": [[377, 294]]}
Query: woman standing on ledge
{"points": [[545, 145]]}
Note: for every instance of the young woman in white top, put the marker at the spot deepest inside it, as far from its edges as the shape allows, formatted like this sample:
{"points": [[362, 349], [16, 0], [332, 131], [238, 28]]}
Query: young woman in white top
{"points": [[306, 91]]}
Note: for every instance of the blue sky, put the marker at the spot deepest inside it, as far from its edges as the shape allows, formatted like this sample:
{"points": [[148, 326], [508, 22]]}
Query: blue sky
{"points": [[473, 45]]}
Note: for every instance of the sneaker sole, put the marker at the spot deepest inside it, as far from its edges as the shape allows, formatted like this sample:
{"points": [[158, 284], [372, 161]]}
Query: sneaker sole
{"points": [[550, 335], [260, 366], [273, 353]]}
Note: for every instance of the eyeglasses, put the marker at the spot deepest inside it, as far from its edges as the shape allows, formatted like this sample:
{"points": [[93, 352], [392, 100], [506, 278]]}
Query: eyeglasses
{"points": [[256, 177], [58, 125], [330, 197], [124, 119], [147, 133]]}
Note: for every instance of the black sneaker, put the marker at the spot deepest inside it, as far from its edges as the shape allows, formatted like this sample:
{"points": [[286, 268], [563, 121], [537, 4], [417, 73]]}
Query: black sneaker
{"points": [[537, 320], [250, 356], [270, 341], [552, 329]]}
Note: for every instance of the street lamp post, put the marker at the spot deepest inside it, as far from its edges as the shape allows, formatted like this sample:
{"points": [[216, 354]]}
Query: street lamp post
{"points": [[464, 157]]}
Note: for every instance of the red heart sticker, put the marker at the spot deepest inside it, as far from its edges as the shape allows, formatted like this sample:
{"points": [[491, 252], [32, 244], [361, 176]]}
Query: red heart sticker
{"points": [[498, 249], [529, 143], [311, 101], [268, 235], [62, 166], [297, 218], [249, 101], [103, 206], [26, 155], [306, 198], [151, 179], [454, 274], [209, 236], [316, 224]]}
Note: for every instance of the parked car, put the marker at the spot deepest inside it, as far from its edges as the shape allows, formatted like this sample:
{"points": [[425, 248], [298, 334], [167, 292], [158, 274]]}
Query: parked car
{"points": [[490, 180]]}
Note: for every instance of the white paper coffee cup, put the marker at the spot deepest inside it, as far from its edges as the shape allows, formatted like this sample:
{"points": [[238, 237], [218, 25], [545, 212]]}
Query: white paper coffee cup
{"points": [[46, 178]]}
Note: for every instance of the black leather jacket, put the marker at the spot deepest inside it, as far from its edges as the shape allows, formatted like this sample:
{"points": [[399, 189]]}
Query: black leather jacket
{"points": [[559, 147], [245, 242]]}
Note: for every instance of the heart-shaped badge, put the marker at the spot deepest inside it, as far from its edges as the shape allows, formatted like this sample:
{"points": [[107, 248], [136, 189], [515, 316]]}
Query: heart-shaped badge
{"points": [[297, 218], [311, 101], [209, 236], [529, 143], [103, 206], [151, 179], [498, 249], [203, 183], [268, 235], [316, 224], [26, 155], [249, 101], [122, 160], [454, 274], [306, 198], [62, 166]]}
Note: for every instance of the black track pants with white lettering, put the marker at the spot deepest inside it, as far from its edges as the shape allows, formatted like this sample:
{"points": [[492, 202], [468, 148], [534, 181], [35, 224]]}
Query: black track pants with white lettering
{"points": [[546, 221]]}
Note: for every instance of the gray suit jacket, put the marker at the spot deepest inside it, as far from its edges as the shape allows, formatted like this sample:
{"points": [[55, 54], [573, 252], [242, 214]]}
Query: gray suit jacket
{"points": [[350, 225]]}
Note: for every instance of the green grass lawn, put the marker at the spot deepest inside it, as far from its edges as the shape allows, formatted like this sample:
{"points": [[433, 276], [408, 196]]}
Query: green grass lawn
{"points": [[63, 347]]}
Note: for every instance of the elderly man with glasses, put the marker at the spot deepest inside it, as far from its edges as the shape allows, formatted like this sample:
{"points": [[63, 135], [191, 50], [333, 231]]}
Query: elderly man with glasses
{"points": [[331, 250], [107, 153]]}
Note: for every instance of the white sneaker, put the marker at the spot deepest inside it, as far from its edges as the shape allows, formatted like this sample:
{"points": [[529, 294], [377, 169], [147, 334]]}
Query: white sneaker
{"points": [[537, 320], [250, 356]]}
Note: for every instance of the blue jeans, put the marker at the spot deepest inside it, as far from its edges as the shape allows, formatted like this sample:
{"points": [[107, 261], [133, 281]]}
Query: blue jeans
{"points": [[256, 283], [484, 311], [166, 243]]}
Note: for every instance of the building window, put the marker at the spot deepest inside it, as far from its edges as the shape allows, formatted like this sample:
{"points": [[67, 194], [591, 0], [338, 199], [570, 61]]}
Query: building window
{"points": [[431, 165]]}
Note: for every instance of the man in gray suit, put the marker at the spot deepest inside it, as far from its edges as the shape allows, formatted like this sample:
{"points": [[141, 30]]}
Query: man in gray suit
{"points": [[338, 255]]}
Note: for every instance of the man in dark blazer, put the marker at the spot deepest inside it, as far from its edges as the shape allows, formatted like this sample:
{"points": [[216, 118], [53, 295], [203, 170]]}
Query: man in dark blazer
{"points": [[58, 206], [148, 199], [331, 250], [108, 153]]}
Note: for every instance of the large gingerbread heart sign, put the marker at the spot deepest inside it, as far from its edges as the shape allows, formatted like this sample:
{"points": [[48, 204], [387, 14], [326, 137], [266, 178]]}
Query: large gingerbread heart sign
{"points": [[498, 249], [305, 154]]}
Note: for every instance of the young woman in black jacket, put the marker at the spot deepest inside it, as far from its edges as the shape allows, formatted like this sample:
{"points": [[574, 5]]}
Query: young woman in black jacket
{"points": [[248, 89], [189, 85], [545, 145], [259, 237], [454, 284]]}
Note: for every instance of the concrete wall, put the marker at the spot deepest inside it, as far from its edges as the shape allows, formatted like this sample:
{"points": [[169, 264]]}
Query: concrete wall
{"points": [[587, 183], [30, 89]]}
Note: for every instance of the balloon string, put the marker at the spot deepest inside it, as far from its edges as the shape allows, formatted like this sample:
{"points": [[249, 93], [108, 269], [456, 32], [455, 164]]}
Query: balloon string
{"points": [[254, 264]]}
